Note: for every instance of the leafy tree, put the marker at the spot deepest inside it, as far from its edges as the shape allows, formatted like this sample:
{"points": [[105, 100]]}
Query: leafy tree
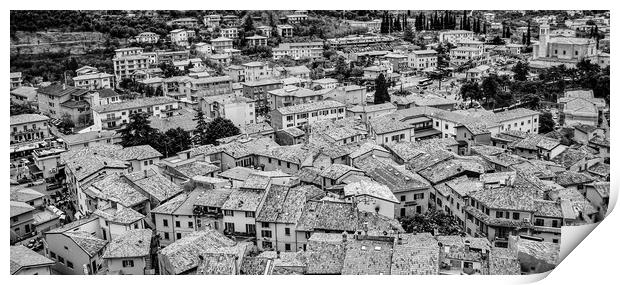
{"points": [[200, 133], [471, 91], [546, 123], [220, 128], [66, 123], [430, 222], [381, 90], [490, 87], [138, 131], [18, 109], [497, 41], [176, 140], [521, 70], [341, 69]]}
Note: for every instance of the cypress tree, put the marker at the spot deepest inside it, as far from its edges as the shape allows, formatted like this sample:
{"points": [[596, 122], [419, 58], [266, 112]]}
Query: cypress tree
{"points": [[528, 39]]}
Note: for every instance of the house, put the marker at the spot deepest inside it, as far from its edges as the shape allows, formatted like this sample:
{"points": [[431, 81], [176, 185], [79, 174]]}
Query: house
{"points": [[452, 196], [25, 261], [477, 73], [256, 41], [415, 254], [147, 37], [296, 18], [184, 22], [455, 36], [277, 219], [325, 83], [117, 220], [306, 113], [129, 253], [179, 37], [367, 112], [598, 194], [422, 59], [371, 196], [259, 91], [28, 128], [21, 221], [203, 48], [231, 33], [183, 256], [385, 129], [25, 95], [463, 255], [462, 55], [411, 190], [16, 77], [255, 71], [76, 247], [368, 255], [285, 31], [349, 95], [241, 207], [57, 100], [264, 31], [94, 81], [82, 140], [292, 95], [240, 110]]}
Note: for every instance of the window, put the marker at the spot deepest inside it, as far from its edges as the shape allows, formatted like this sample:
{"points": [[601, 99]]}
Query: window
{"points": [[418, 196], [230, 227], [287, 231], [166, 236], [177, 224], [249, 214], [127, 263], [265, 225], [403, 198], [178, 235], [515, 216], [555, 224], [446, 126], [165, 223], [267, 244], [69, 264], [266, 234], [52, 254], [146, 163], [60, 259], [499, 214], [250, 228], [287, 246], [190, 225], [539, 222], [228, 213], [437, 124]]}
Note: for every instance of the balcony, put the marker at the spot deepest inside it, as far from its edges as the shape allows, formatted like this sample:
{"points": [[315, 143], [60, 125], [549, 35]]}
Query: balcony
{"points": [[110, 119]]}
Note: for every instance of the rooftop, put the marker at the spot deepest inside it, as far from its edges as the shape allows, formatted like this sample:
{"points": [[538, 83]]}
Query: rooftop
{"points": [[372, 189], [132, 243], [27, 118], [23, 257], [133, 104]]}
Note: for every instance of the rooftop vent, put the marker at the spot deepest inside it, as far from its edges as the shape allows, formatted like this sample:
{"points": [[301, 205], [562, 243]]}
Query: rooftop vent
{"points": [[363, 247], [377, 248]]}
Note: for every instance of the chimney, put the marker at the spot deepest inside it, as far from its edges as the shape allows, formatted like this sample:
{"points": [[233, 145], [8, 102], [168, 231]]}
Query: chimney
{"points": [[344, 237], [99, 134], [145, 174], [278, 254]]}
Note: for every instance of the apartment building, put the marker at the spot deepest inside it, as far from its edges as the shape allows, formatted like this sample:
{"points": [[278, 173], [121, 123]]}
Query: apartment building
{"points": [[94, 81], [15, 80], [298, 51], [113, 116], [220, 44], [57, 100], [455, 36], [306, 113], [259, 92], [179, 37], [127, 61], [29, 128], [231, 33], [240, 110]]}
